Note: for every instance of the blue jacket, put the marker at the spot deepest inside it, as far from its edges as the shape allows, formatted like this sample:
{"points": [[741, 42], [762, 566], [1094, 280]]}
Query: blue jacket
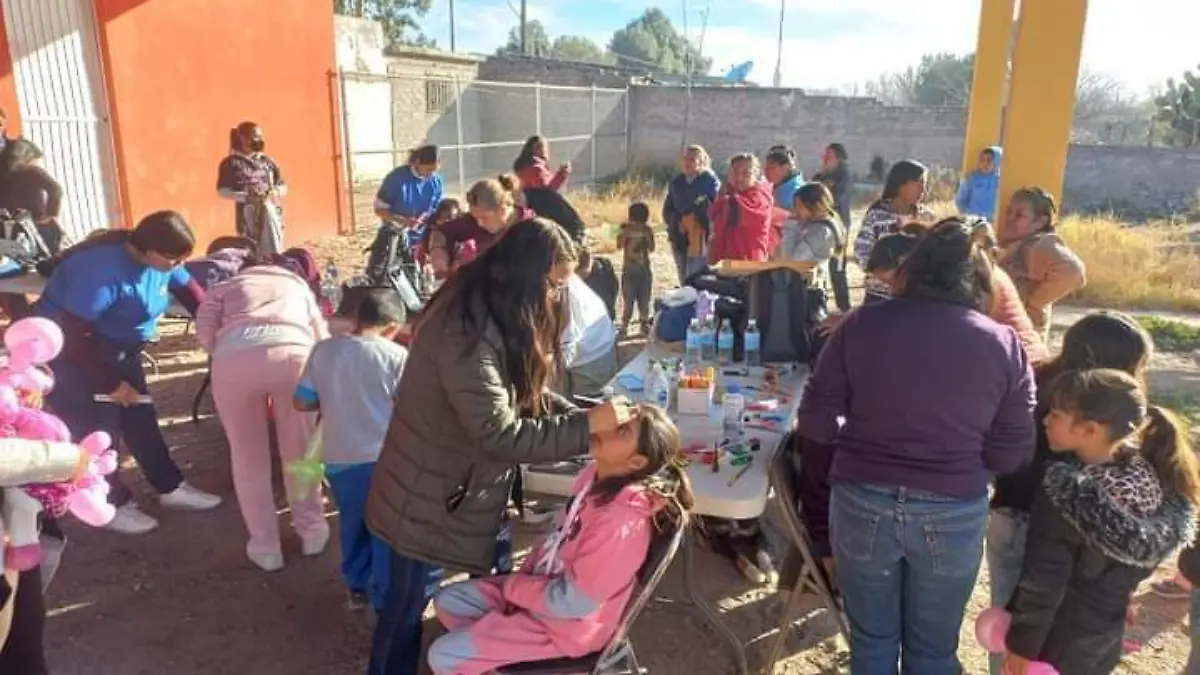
{"points": [[977, 194], [786, 190], [407, 194], [684, 198]]}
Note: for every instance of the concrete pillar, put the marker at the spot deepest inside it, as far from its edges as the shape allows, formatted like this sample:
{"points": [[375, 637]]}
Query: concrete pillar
{"points": [[985, 114], [1041, 97]]}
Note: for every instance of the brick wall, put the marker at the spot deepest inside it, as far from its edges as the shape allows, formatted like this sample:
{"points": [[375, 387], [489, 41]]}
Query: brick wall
{"points": [[1148, 181]]}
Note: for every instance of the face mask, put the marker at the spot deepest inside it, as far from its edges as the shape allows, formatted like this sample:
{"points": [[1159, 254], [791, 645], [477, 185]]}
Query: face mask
{"points": [[258, 145]]}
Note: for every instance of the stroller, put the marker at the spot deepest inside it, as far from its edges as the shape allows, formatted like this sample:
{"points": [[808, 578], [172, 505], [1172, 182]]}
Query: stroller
{"points": [[392, 263]]}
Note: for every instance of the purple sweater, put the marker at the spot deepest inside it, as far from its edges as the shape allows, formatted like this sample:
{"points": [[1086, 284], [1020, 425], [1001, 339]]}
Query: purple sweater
{"points": [[935, 397]]}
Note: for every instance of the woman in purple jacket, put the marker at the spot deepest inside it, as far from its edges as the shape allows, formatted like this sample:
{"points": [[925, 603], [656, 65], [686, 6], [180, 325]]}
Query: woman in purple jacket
{"points": [[936, 398]]}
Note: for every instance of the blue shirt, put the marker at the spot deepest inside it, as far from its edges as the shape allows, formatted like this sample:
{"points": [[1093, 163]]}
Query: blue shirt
{"points": [[785, 191], [105, 286], [407, 194]]}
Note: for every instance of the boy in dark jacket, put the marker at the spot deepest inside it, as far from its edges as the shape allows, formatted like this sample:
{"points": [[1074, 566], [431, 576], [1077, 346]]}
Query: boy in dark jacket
{"points": [[598, 273]]}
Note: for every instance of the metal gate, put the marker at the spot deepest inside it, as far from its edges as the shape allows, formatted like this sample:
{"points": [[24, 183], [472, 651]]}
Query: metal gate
{"points": [[60, 88]]}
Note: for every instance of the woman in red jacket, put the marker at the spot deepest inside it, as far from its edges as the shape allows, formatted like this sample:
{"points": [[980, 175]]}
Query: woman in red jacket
{"points": [[741, 214], [532, 166]]}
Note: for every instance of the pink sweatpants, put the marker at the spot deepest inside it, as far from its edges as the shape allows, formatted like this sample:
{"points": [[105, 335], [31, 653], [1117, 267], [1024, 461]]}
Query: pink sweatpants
{"points": [[242, 383], [482, 637]]}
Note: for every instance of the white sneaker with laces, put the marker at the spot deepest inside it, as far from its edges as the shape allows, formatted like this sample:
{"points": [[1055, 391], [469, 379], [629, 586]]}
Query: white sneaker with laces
{"points": [[267, 562], [132, 520], [314, 545], [187, 498]]}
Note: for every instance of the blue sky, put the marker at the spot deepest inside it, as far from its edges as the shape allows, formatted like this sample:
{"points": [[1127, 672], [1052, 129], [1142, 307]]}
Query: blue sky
{"points": [[831, 44]]}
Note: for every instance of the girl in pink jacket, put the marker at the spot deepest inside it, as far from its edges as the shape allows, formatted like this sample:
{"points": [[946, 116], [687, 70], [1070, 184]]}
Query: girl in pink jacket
{"points": [[259, 328], [569, 595]]}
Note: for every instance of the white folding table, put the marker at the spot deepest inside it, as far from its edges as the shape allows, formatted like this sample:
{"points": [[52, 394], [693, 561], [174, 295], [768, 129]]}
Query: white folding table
{"points": [[717, 494]]}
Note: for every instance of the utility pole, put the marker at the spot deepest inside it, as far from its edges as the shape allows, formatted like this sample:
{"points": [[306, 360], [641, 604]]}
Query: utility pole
{"points": [[779, 49], [524, 32], [452, 26]]}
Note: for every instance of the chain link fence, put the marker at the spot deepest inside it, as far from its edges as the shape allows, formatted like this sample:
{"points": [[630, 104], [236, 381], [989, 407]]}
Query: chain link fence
{"points": [[480, 127]]}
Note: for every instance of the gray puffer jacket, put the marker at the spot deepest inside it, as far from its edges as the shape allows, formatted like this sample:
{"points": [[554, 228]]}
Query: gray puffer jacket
{"points": [[442, 481]]}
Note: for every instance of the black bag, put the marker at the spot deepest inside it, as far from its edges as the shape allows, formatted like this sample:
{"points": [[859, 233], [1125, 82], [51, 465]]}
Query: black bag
{"points": [[551, 205], [391, 264], [21, 242]]}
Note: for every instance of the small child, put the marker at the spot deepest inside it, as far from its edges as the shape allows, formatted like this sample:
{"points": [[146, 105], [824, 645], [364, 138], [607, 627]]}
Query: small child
{"points": [[1100, 525], [884, 262], [447, 210], [351, 379], [636, 240], [599, 275], [570, 593], [814, 233]]}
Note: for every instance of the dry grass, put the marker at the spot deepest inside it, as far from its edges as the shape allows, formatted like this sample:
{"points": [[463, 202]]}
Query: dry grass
{"points": [[1151, 266]]}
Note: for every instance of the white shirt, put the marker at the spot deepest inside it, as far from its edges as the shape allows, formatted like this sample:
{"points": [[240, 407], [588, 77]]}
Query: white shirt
{"points": [[590, 333]]}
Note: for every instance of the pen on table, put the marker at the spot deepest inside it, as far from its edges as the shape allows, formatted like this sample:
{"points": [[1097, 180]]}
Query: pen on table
{"points": [[741, 473]]}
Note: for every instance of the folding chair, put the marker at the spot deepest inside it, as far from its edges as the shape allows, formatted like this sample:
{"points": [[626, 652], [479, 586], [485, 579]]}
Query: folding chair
{"points": [[811, 574], [618, 657], [204, 387]]}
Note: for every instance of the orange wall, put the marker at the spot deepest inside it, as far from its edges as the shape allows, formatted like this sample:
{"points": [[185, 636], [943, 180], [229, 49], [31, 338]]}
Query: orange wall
{"points": [[180, 73], [8, 89]]}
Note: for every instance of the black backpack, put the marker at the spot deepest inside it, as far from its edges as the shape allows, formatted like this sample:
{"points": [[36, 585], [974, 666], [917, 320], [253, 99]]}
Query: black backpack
{"points": [[22, 243], [391, 264]]}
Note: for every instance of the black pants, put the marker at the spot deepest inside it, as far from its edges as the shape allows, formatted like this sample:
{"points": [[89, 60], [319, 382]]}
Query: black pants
{"points": [[841, 285], [72, 400], [24, 653]]}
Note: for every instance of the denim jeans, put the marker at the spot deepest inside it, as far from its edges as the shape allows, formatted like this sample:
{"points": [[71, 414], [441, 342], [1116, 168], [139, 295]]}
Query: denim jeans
{"points": [[1193, 664], [365, 557], [1006, 532], [907, 563], [396, 648]]}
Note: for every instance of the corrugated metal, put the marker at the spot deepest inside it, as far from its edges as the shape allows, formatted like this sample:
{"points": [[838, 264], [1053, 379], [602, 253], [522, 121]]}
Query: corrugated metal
{"points": [[60, 86]]}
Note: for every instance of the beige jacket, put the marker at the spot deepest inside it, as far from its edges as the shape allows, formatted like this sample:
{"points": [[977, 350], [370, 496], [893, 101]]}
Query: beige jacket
{"points": [[1044, 271]]}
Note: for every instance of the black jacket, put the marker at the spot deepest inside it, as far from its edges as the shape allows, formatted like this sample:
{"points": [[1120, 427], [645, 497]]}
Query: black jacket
{"points": [[1083, 559]]}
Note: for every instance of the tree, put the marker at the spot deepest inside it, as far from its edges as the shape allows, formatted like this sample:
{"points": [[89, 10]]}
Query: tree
{"points": [[1179, 111], [578, 48], [1107, 114], [399, 18], [537, 42], [939, 79], [651, 40]]}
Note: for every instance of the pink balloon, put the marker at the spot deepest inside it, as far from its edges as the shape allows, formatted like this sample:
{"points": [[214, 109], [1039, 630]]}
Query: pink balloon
{"points": [[96, 443], [35, 340], [991, 627]]}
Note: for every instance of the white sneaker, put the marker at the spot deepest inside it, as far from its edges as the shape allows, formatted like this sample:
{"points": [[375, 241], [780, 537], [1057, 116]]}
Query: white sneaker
{"points": [[132, 520], [187, 498], [314, 545], [267, 562]]}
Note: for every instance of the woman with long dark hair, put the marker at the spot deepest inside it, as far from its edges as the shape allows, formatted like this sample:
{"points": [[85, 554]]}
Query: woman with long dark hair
{"points": [[472, 405], [249, 177], [835, 174], [1040, 263], [899, 206], [936, 398], [532, 166], [108, 295]]}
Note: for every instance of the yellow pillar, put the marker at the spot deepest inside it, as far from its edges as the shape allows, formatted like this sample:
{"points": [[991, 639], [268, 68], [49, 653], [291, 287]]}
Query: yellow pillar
{"points": [[985, 114], [1041, 95]]}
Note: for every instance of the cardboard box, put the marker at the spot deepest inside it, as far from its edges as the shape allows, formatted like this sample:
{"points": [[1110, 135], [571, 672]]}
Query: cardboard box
{"points": [[694, 401]]}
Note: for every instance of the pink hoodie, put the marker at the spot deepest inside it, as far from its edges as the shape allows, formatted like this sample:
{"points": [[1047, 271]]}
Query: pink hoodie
{"points": [[580, 602], [262, 305]]}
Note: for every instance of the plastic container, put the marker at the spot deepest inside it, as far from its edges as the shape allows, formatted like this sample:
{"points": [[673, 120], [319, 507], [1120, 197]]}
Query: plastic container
{"points": [[694, 401], [658, 387], [694, 344], [733, 411]]}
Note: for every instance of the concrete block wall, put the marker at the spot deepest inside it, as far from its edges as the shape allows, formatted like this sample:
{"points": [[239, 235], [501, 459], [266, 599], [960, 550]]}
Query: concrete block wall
{"points": [[1149, 181]]}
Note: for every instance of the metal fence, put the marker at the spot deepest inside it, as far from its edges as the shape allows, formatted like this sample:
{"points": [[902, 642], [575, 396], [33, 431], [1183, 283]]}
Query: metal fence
{"points": [[480, 127]]}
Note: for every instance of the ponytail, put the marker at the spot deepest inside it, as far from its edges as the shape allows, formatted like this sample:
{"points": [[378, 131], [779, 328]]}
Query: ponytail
{"points": [[674, 490], [1164, 444], [510, 183], [235, 140]]}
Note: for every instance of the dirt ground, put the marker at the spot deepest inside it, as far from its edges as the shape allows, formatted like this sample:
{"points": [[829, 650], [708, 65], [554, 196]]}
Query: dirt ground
{"points": [[184, 599]]}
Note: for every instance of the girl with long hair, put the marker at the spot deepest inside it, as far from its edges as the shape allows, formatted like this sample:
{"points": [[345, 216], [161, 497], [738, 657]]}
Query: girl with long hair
{"points": [[1101, 522], [835, 174], [569, 595], [1099, 340], [473, 404], [814, 234], [899, 205]]}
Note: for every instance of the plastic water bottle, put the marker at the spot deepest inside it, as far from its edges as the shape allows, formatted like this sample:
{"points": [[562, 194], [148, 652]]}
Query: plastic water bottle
{"points": [[725, 343], [428, 279], [708, 343], [658, 388], [694, 343], [752, 343], [331, 286]]}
